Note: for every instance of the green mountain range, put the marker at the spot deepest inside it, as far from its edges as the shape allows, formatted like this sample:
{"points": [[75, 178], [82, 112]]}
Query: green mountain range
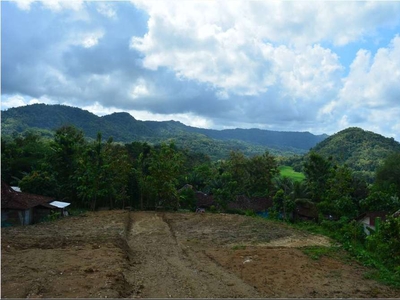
{"points": [[361, 150], [125, 128]]}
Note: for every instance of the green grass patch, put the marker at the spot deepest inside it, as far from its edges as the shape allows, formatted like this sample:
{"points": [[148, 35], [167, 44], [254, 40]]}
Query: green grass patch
{"points": [[239, 247], [317, 252], [349, 250], [287, 171]]}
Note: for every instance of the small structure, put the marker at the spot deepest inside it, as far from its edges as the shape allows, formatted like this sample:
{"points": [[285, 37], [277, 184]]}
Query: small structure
{"points": [[256, 204], [203, 200], [369, 220], [305, 210], [18, 208], [200, 210]]}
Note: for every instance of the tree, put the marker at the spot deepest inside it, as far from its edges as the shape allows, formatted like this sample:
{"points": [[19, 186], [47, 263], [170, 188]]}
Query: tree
{"points": [[385, 192], [140, 175], [165, 165], [261, 171], [91, 174], [117, 168], [68, 146], [388, 175], [39, 182], [283, 203], [318, 170], [21, 155], [338, 196]]}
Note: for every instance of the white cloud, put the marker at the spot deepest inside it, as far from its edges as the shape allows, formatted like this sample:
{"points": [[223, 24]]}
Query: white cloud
{"points": [[13, 101], [8, 101], [139, 89], [288, 22], [88, 40], [107, 10], [370, 96], [24, 4], [231, 45], [189, 119]]}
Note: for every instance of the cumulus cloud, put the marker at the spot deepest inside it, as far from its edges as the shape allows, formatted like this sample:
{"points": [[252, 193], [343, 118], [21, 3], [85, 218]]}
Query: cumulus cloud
{"points": [[19, 100], [229, 47], [107, 9], [89, 39], [220, 64], [371, 92]]}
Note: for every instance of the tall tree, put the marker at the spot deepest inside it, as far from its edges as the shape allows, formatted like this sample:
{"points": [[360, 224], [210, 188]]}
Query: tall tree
{"points": [[68, 146], [318, 170], [165, 166], [21, 155], [388, 174], [261, 169]]}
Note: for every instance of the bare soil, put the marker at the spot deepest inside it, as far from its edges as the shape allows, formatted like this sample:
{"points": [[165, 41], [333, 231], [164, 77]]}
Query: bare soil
{"points": [[174, 255]]}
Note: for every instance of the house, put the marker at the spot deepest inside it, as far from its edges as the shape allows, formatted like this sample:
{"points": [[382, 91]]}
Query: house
{"points": [[369, 220], [305, 210], [256, 204], [203, 200], [18, 208]]}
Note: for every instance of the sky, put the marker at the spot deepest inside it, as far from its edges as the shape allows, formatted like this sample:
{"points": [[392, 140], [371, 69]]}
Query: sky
{"points": [[317, 66]]}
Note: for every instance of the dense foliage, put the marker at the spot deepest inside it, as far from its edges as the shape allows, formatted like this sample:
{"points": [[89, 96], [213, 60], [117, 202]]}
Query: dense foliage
{"points": [[362, 151]]}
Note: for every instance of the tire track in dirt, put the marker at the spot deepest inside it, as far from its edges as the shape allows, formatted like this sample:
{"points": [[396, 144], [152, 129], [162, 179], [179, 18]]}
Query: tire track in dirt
{"points": [[161, 267]]}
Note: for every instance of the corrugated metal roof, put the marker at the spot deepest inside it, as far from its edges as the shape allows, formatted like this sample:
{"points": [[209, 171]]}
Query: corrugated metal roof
{"points": [[16, 188], [59, 204]]}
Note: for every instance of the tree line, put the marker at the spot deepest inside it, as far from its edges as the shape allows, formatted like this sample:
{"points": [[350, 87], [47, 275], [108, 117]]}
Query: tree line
{"points": [[100, 173]]}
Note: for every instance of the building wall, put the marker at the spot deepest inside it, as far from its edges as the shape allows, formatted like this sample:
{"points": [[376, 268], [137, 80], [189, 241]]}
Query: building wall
{"points": [[16, 217], [13, 217], [39, 213]]}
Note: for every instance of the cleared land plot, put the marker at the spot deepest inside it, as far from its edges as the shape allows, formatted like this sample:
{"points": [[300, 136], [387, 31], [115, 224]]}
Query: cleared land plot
{"points": [[178, 255]]}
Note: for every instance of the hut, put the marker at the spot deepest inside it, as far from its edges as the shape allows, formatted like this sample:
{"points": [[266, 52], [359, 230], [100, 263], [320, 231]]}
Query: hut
{"points": [[369, 220], [18, 208]]}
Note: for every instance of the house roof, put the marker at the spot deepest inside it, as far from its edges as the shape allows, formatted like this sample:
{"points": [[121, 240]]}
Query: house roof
{"points": [[372, 215], [204, 200], [59, 204], [11, 199]]}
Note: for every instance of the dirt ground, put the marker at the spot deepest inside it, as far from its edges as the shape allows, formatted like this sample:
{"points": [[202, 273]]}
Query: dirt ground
{"points": [[174, 255]]}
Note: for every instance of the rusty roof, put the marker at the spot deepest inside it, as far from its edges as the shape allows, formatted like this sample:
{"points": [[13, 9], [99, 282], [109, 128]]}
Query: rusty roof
{"points": [[15, 200]]}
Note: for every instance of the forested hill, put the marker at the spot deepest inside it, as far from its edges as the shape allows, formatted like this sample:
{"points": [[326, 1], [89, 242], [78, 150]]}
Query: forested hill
{"points": [[125, 128], [361, 150]]}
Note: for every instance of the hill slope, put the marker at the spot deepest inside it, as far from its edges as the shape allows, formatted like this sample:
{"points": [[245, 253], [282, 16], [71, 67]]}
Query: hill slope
{"points": [[125, 128], [361, 150]]}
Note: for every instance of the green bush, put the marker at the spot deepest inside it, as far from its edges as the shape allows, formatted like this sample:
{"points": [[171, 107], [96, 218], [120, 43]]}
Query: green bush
{"points": [[385, 243]]}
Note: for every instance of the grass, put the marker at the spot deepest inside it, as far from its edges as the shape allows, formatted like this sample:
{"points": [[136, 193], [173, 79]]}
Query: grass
{"points": [[287, 171], [353, 250], [239, 247], [317, 252]]}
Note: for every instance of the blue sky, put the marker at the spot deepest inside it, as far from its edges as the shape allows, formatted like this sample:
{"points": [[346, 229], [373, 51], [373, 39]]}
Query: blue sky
{"points": [[280, 65]]}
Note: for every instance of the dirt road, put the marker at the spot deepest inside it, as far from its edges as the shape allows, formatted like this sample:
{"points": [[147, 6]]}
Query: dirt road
{"points": [[177, 255]]}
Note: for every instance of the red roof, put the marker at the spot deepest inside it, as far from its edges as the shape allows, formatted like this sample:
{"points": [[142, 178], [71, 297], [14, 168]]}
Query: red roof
{"points": [[11, 199]]}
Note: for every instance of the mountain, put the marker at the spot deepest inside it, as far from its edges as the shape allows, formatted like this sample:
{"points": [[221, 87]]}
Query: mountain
{"points": [[125, 128], [363, 151]]}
